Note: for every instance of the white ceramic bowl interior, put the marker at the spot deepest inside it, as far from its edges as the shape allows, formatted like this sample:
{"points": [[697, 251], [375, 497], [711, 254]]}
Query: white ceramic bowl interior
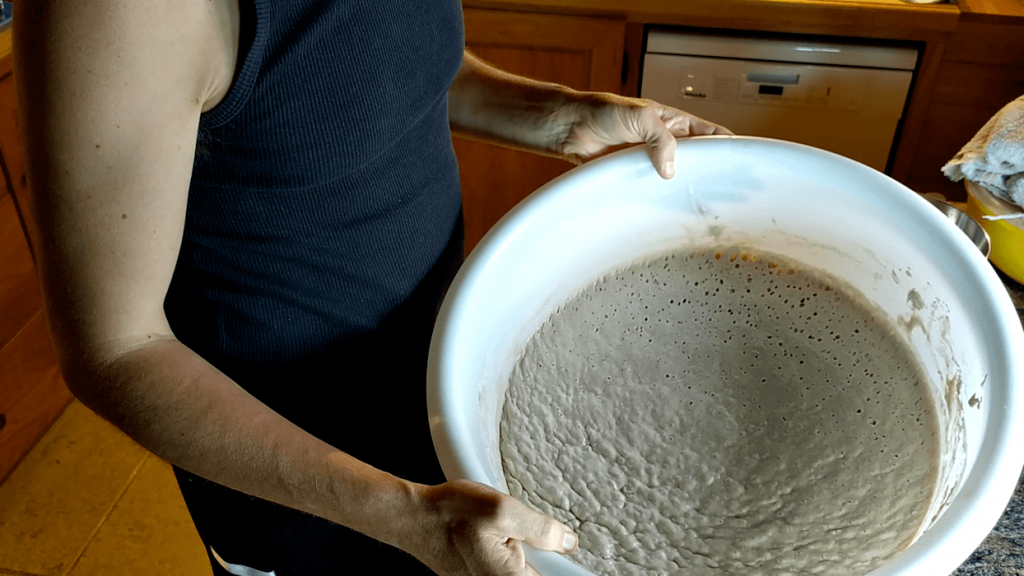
{"points": [[813, 206]]}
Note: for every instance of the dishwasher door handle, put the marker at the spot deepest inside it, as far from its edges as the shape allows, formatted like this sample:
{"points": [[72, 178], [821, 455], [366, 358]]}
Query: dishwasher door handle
{"points": [[766, 78]]}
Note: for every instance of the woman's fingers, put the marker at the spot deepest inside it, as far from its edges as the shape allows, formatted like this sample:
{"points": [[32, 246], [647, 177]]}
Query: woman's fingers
{"points": [[606, 122], [650, 125], [539, 530]]}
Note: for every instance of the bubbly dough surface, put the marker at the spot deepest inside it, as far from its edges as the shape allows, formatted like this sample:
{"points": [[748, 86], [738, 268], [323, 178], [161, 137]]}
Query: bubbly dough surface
{"points": [[722, 412]]}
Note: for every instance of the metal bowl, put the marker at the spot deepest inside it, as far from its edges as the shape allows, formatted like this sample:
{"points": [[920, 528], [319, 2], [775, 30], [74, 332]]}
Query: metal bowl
{"points": [[1007, 236], [965, 223]]}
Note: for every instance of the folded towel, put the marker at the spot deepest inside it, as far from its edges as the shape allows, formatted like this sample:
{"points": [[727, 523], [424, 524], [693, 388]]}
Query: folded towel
{"points": [[995, 156]]}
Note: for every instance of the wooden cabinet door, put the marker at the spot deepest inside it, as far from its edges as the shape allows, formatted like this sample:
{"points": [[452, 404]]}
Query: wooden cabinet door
{"points": [[32, 392], [10, 142], [581, 52]]}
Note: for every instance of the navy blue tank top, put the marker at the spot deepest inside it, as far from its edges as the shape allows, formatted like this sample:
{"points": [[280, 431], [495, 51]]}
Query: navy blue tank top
{"points": [[324, 214]]}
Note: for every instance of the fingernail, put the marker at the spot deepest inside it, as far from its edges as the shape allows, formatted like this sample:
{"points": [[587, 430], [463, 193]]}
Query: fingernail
{"points": [[669, 170], [569, 542]]}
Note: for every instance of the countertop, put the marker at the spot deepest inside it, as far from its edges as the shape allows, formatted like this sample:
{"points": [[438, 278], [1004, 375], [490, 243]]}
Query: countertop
{"points": [[1003, 11], [1002, 552]]}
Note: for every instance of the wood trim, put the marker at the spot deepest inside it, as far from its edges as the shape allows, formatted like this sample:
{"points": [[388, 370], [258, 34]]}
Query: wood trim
{"points": [[891, 19], [634, 48], [917, 111]]}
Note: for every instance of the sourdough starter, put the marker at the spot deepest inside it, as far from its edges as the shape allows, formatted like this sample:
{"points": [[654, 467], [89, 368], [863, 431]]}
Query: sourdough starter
{"points": [[724, 412]]}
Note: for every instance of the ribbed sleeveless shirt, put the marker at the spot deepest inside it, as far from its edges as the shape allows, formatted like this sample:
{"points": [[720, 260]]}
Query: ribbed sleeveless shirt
{"points": [[324, 219], [324, 191]]}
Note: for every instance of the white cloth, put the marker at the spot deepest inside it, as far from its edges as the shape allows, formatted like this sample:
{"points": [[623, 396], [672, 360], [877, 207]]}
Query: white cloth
{"points": [[995, 156], [238, 569]]}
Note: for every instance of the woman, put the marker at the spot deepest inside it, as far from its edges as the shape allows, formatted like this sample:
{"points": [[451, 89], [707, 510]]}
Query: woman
{"points": [[247, 213]]}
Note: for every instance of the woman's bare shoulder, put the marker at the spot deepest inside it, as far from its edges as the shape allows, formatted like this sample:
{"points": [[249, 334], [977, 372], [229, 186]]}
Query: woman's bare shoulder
{"points": [[195, 41], [110, 95]]}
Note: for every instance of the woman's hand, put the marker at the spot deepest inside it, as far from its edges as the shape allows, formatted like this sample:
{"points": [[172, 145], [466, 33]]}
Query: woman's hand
{"points": [[604, 122], [470, 529], [490, 105]]}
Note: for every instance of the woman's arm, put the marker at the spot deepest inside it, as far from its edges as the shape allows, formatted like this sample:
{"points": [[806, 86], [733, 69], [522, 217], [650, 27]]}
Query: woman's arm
{"points": [[491, 105], [111, 92]]}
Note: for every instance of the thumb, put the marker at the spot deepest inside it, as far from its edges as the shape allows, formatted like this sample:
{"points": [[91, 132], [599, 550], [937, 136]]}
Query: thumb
{"points": [[652, 128], [542, 531]]}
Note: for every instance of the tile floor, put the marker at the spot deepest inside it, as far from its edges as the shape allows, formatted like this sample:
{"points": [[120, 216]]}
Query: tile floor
{"points": [[88, 501]]}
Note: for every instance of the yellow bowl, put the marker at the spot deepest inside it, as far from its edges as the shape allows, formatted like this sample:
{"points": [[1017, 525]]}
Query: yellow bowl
{"points": [[1007, 235]]}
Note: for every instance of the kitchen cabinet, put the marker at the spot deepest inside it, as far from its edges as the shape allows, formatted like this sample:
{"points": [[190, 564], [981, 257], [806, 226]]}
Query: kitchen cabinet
{"points": [[982, 70], [584, 53], [32, 392]]}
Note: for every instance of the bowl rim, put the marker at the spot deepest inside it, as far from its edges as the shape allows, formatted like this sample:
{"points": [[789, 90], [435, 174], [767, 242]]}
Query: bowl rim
{"points": [[948, 544]]}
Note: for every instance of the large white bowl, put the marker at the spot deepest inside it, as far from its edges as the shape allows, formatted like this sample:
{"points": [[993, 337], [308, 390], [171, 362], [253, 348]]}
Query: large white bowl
{"points": [[813, 206]]}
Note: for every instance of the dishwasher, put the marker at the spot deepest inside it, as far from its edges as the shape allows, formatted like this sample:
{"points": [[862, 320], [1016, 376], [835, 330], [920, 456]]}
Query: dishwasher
{"points": [[845, 97]]}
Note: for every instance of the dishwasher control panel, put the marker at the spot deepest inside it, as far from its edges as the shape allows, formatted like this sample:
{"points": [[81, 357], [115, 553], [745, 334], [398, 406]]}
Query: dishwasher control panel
{"points": [[866, 91]]}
